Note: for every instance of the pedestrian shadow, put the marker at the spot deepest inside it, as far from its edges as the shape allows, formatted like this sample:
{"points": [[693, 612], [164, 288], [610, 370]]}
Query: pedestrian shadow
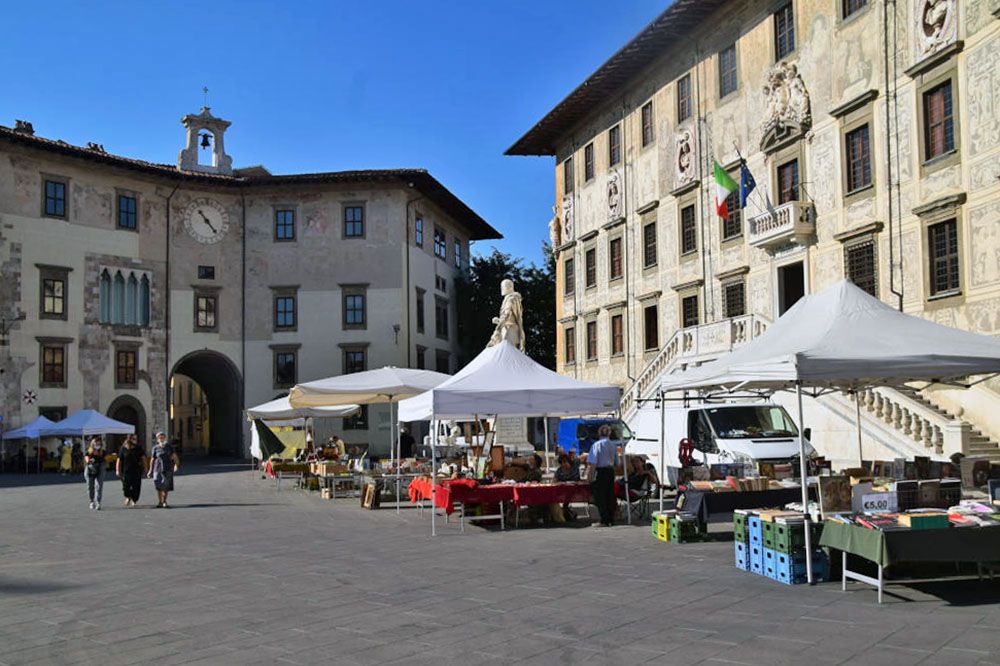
{"points": [[14, 586], [215, 505]]}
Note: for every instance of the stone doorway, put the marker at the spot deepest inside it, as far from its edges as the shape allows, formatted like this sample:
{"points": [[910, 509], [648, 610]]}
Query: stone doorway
{"points": [[206, 405], [128, 409], [791, 285]]}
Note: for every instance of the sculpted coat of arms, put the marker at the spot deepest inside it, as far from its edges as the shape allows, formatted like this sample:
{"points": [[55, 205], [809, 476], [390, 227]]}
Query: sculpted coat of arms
{"points": [[787, 111]]}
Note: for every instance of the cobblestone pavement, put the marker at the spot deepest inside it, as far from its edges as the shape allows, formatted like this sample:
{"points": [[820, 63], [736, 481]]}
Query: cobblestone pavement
{"points": [[239, 573]]}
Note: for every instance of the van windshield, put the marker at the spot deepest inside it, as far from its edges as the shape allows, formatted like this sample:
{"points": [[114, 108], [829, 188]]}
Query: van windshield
{"points": [[752, 421], [589, 431]]}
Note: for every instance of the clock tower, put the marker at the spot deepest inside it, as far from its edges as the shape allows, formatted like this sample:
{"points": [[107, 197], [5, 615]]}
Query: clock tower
{"points": [[205, 131]]}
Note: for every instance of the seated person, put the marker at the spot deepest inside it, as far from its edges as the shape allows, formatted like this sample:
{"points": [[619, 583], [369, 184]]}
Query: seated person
{"points": [[534, 469], [640, 475], [567, 471]]}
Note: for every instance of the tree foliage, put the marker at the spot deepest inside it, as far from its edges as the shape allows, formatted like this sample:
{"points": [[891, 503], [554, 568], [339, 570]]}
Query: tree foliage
{"points": [[478, 297]]}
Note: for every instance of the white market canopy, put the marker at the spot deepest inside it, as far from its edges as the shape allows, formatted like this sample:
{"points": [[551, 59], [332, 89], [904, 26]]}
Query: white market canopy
{"points": [[85, 423], [503, 381], [844, 338], [282, 410], [385, 385], [31, 430]]}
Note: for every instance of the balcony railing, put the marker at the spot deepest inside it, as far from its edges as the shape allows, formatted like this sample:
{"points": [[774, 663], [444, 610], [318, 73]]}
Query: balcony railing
{"points": [[794, 221]]}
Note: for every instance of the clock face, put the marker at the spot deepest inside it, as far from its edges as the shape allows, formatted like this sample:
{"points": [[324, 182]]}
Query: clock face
{"points": [[206, 220]]}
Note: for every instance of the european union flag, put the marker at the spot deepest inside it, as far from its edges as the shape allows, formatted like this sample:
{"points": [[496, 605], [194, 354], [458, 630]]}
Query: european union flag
{"points": [[747, 183]]}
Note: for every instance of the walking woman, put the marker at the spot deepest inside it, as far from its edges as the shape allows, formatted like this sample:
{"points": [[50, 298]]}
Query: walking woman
{"points": [[164, 462], [93, 472], [129, 467]]}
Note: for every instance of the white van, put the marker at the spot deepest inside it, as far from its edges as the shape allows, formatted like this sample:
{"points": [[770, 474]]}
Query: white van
{"points": [[721, 433]]}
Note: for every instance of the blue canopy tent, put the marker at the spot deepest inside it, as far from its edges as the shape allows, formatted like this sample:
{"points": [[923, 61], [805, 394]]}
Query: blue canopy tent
{"points": [[86, 423], [33, 431]]}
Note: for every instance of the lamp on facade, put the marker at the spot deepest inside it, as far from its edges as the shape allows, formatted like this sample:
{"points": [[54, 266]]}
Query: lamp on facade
{"points": [[395, 330], [5, 326]]}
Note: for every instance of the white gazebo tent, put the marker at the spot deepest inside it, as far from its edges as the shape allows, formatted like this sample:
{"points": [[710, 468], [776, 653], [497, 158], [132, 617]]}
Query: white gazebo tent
{"points": [[281, 412], [503, 381], [32, 430], [87, 423], [843, 339], [371, 387]]}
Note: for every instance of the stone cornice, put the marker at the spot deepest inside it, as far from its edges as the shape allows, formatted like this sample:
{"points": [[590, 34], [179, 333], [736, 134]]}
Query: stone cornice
{"points": [[690, 284], [685, 188], [733, 272], [649, 295], [587, 236], [863, 230], [645, 208], [855, 103], [614, 223], [950, 201], [935, 59]]}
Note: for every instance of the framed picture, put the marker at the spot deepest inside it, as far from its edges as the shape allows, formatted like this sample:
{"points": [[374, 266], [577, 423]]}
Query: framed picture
{"points": [[834, 494]]}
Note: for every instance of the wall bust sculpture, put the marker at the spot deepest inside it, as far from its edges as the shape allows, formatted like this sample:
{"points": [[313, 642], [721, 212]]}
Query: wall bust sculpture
{"points": [[787, 111], [615, 208], [684, 157], [936, 25]]}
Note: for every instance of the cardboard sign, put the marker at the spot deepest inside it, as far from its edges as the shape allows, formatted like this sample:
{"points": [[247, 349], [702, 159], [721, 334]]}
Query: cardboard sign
{"points": [[880, 503]]}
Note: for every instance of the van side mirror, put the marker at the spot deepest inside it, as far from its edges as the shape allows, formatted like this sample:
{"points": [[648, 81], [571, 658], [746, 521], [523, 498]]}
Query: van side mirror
{"points": [[807, 433]]}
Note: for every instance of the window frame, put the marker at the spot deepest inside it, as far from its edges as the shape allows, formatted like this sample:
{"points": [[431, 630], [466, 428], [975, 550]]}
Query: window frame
{"points": [[63, 182], [647, 124], [279, 223], [126, 350], [569, 276], [441, 240], [588, 162], [865, 160], [685, 300], [947, 123], [211, 295], [846, 12], [420, 315], [349, 206], [791, 31], [655, 321], [590, 268], [684, 105], [569, 181], [569, 345], [779, 170], [279, 295], [931, 261], [49, 273], [734, 72], [724, 288], [650, 245], [439, 355], [686, 251], [134, 197], [348, 362], [277, 353], [60, 345], [617, 334], [441, 305], [591, 345], [616, 266], [614, 145], [418, 230], [353, 291], [867, 241], [457, 247]]}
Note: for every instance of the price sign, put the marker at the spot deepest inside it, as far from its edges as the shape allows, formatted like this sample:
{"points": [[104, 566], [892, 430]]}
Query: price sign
{"points": [[880, 503]]}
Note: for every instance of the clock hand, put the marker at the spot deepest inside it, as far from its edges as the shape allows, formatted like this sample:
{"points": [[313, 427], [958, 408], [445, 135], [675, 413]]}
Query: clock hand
{"points": [[207, 221]]}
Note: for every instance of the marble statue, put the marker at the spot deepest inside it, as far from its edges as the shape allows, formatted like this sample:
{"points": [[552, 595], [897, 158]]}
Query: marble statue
{"points": [[684, 157], [555, 235], [788, 109], [614, 197], [510, 323]]}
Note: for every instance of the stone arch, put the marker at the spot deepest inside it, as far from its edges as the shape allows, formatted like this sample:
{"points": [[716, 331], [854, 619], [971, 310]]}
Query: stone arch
{"points": [[127, 409], [222, 383]]}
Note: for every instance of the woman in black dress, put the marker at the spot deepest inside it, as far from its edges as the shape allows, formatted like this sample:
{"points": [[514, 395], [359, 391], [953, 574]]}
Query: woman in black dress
{"points": [[129, 468]]}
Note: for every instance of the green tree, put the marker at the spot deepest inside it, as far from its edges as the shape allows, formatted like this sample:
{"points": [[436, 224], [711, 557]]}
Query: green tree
{"points": [[477, 293]]}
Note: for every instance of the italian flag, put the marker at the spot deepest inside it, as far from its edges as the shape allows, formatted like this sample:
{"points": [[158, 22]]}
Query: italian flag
{"points": [[724, 186]]}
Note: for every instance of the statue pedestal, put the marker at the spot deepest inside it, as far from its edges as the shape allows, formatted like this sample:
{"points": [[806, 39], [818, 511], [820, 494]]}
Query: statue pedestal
{"points": [[512, 432]]}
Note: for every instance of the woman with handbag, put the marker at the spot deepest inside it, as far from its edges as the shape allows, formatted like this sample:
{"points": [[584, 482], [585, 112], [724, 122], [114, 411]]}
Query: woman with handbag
{"points": [[93, 472], [164, 462]]}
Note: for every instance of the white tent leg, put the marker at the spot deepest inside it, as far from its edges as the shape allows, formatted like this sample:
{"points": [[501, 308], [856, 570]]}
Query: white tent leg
{"points": [[394, 415], [803, 470], [433, 477], [545, 420], [662, 472], [857, 422]]}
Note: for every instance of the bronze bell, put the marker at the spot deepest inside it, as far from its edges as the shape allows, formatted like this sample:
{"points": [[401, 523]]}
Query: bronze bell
{"points": [[204, 141]]}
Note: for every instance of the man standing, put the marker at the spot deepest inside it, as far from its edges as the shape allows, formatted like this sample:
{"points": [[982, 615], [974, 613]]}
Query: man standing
{"points": [[602, 459]]}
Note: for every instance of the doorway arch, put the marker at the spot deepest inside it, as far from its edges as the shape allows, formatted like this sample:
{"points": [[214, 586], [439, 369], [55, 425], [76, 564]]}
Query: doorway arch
{"points": [[128, 409], [223, 388]]}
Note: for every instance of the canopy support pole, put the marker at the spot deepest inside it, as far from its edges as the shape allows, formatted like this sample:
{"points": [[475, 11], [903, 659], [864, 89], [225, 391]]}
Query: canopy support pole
{"points": [[397, 449], [857, 423], [434, 434], [804, 478], [661, 476], [545, 420]]}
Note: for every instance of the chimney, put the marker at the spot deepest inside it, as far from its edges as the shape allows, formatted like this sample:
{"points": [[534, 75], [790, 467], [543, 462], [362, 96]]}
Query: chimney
{"points": [[24, 127]]}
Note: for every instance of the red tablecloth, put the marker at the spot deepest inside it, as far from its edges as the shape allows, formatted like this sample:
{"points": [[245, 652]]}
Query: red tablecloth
{"points": [[535, 494], [468, 491]]}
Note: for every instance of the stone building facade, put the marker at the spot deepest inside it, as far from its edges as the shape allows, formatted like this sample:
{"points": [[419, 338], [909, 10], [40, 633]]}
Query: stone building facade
{"points": [[873, 134], [120, 276]]}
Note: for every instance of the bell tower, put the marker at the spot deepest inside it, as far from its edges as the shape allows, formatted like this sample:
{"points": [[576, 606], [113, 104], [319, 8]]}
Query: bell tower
{"points": [[205, 131]]}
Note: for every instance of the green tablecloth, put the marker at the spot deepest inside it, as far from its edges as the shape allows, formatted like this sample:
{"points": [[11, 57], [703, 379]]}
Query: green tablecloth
{"points": [[954, 544]]}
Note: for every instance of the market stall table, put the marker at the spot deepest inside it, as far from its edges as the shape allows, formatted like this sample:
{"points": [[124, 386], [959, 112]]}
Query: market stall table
{"points": [[704, 503], [462, 492], [888, 547]]}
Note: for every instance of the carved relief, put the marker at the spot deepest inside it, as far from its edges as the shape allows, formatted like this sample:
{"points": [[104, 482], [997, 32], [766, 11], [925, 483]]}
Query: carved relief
{"points": [[984, 316], [977, 15], [827, 267], [902, 135], [984, 97], [823, 190], [567, 214], [615, 208], [788, 109], [985, 172], [684, 157], [984, 229], [936, 25], [940, 181], [912, 273], [555, 235], [861, 211]]}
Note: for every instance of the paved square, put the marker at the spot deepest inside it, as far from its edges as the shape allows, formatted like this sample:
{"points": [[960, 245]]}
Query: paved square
{"points": [[239, 573]]}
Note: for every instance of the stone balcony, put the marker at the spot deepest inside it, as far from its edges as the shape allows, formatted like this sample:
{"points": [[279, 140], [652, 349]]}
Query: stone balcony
{"points": [[794, 221]]}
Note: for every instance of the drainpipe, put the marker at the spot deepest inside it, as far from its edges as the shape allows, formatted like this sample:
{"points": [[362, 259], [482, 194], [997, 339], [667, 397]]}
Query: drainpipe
{"points": [[627, 237], [888, 150], [166, 315], [406, 273], [243, 309], [706, 236]]}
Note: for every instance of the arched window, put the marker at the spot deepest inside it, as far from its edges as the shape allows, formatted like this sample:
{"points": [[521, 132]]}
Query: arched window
{"points": [[105, 297], [144, 301], [118, 299], [131, 296]]}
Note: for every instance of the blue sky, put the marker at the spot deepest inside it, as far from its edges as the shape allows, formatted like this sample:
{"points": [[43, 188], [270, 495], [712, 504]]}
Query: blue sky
{"points": [[322, 86]]}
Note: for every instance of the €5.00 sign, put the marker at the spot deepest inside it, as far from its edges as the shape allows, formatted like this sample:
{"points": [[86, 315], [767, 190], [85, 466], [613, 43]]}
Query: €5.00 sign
{"points": [[880, 503]]}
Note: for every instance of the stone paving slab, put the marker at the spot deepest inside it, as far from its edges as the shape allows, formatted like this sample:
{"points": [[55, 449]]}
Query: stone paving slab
{"points": [[239, 573]]}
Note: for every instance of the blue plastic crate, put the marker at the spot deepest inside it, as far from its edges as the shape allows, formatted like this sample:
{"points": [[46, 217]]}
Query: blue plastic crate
{"points": [[742, 557], [791, 569], [770, 563], [754, 530], [756, 558]]}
